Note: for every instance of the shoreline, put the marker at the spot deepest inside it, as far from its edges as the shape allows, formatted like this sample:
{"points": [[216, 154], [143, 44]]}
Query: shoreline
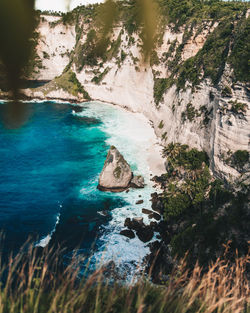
{"points": [[142, 150], [155, 159], [135, 138]]}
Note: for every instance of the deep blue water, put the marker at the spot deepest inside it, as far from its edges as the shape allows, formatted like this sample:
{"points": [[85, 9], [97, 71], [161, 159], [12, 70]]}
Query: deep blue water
{"points": [[44, 165]]}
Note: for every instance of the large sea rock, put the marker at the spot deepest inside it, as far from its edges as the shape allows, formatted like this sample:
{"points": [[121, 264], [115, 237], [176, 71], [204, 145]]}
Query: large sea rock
{"points": [[116, 174]]}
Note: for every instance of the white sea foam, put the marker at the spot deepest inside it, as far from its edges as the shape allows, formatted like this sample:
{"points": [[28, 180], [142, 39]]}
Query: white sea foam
{"points": [[134, 137], [45, 240]]}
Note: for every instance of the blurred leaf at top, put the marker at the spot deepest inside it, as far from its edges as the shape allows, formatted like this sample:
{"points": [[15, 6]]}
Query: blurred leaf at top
{"points": [[17, 22], [148, 19], [143, 14]]}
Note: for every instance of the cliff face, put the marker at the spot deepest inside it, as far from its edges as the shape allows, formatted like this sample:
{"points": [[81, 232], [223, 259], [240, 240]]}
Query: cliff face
{"points": [[208, 116], [55, 43]]}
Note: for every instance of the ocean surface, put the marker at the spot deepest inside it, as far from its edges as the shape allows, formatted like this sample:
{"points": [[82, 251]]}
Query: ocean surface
{"points": [[49, 169]]}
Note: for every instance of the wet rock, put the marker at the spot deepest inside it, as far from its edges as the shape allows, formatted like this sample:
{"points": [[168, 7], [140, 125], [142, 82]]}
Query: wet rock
{"points": [[153, 225], [128, 233], [137, 182], [155, 216], [139, 202], [135, 224], [146, 211], [116, 174], [145, 233], [138, 220], [157, 203], [162, 227], [155, 246]]}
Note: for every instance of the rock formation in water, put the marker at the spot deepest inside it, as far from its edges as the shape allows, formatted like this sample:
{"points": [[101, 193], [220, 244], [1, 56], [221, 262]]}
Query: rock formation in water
{"points": [[116, 174]]}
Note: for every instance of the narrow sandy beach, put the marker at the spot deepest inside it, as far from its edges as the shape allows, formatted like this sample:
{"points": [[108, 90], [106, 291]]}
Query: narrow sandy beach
{"points": [[154, 149]]}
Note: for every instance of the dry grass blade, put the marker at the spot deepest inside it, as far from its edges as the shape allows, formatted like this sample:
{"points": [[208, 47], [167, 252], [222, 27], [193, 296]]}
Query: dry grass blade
{"points": [[35, 281]]}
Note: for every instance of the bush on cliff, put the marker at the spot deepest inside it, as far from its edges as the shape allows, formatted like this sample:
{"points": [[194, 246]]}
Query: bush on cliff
{"points": [[201, 212]]}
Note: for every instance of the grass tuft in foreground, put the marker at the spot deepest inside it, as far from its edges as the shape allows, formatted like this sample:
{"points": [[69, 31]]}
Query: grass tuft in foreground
{"points": [[34, 281]]}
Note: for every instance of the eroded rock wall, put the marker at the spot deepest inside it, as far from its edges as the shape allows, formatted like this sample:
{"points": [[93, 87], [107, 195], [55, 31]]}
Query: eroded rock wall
{"points": [[203, 117]]}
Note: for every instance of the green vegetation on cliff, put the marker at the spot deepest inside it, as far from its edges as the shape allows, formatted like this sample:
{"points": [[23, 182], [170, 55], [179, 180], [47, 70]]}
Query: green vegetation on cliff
{"points": [[67, 82], [211, 59], [203, 212], [228, 42], [185, 11]]}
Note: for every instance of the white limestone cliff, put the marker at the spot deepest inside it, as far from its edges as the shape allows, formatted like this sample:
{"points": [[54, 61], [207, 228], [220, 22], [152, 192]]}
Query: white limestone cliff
{"points": [[217, 129]]}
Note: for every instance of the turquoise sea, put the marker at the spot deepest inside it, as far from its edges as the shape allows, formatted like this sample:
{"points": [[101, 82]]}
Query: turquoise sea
{"points": [[49, 170]]}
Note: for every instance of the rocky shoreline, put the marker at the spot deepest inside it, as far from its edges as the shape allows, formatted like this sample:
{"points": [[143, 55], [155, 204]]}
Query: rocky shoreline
{"points": [[117, 176], [159, 262]]}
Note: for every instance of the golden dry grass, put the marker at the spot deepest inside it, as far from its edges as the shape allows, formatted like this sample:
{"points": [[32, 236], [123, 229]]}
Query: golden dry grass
{"points": [[33, 283]]}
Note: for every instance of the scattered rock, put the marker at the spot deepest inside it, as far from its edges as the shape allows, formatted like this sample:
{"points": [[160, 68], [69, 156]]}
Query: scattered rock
{"points": [[135, 224], [139, 202], [138, 220], [128, 233], [155, 216], [157, 203], [146, 211], [153, 225], [137, 182], [145, 233], [116, 174], [127, 191], [154, 194], [154, 246]]}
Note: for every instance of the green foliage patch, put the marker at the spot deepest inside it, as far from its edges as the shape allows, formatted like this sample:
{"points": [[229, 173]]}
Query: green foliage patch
{"points": [[210, 60], [240, 56], [186, 11], [240, 158], [190, 113], [69, 82], [97, 79], [205, 212], [238, 107], [181, 155]]}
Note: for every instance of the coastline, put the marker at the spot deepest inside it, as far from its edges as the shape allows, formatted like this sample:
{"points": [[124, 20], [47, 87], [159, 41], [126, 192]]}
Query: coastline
{"points": [[154, 159], [132, 134], [141, 149]]}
